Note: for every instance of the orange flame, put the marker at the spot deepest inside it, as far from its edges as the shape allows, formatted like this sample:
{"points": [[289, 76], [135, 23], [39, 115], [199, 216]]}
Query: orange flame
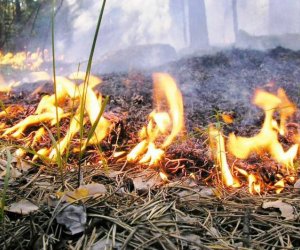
{"points": [[23, 60], [164, 125], [267, 138], [217, 146], [46, 112]]}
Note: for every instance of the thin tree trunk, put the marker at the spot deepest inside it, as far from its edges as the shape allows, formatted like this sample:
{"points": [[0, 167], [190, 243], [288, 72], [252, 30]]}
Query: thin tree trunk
{"points": [[197, 24], [235, 19]]}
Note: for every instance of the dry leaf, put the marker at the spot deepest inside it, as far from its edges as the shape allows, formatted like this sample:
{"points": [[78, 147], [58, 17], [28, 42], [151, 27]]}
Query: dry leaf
{"points": [[144, 184], [287, 210], [83, 192], [23, 165], [23, 207], [208, 192], [14, 173], [95, 188], [297, 185], [106, 244], [188, 195]]}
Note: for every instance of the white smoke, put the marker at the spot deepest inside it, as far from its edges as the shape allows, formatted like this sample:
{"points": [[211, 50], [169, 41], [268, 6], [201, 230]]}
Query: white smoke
{"points": [[261, 24]]}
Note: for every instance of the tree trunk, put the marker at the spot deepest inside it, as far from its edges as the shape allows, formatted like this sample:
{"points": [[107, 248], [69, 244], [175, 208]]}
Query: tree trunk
{"points": [[235, 19], [18, 11], [197, 24]]}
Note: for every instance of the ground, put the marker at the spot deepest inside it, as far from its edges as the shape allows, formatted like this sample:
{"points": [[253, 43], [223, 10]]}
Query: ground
{"points": [[184, 212]]}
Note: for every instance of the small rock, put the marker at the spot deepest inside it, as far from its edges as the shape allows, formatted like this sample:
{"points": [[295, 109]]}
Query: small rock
{"points": [[73, 218]]}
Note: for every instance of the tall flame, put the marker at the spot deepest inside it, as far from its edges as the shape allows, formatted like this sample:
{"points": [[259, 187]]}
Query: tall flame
{"points": [[217, 146], [163, 124]]}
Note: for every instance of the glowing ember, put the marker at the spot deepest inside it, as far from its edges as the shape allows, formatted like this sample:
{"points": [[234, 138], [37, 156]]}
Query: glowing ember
{"points": [[162, 124]]}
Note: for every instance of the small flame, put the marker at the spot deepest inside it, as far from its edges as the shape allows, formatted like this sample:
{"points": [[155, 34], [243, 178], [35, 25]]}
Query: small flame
{"points": [[254, 184], [23, 60], [279, 186], [162, 124], [163, 176], [217, 146]]}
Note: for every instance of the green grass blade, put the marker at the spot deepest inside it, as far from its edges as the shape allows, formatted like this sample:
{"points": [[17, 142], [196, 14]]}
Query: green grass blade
{"points": [[58, 158], [54, 68], [85, 86], [6, 179]]}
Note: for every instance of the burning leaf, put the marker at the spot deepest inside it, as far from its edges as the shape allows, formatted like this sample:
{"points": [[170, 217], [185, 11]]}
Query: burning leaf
{"points": [[73, 218], [23, 207], [287, 210]]}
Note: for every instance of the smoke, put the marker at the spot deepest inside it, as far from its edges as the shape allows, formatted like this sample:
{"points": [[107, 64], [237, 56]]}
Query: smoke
{"points": [[146, 33]]}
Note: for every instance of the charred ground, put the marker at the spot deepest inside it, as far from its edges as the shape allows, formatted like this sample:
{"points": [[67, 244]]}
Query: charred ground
{"points": [[175, 215]]}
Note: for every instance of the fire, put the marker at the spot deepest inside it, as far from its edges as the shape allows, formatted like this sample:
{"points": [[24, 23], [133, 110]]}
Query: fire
{"points": [[163, 124], [24, 60], [267, 139], [69, 97], [217, 146]]}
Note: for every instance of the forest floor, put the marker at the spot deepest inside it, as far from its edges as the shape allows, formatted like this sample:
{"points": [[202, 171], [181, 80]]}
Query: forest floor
{"points": [[133, 208]]}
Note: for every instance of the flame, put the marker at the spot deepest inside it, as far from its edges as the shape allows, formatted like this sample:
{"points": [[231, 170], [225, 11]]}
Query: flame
{"points": [[162, 124], [68, 96], [279, 186], [267, 138], [217, 146], [23, 60]]}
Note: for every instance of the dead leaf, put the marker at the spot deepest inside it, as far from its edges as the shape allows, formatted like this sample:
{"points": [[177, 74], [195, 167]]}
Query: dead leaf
{"points": [[188, 195], [73, 218], [23, 207], [23, 166], [144, 184], [14, 173], [208, 192], [82, 192], [287, 210], [95, 188], [106, 244], [297, 185]]}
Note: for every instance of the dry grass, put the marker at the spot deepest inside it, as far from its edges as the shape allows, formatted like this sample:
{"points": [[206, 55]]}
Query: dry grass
{"points": [[176, 215]]}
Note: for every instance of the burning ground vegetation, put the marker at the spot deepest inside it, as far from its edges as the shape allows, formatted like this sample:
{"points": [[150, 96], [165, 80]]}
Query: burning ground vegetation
{"points": [[202, 153]]}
